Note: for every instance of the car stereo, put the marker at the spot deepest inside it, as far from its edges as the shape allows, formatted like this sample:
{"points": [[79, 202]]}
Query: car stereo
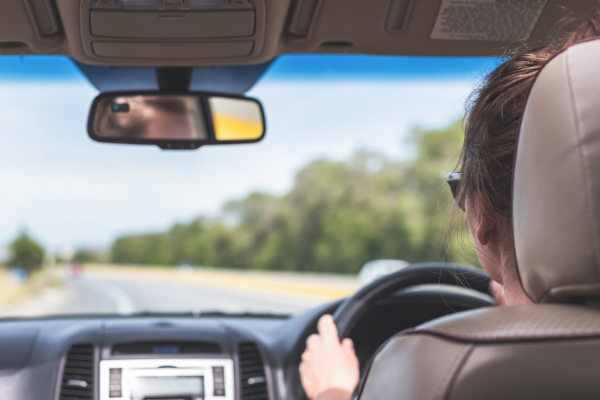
{"points": [[174, 379]]}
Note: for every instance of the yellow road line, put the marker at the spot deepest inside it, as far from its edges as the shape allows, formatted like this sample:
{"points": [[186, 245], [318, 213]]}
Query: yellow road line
{"points": [[282, 285]]}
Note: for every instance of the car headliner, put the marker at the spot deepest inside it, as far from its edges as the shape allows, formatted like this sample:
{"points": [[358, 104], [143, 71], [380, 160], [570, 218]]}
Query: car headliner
{"points": [[337, 26]]}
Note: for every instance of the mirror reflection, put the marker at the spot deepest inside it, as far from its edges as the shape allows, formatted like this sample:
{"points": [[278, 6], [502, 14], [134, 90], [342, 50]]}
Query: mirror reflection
{"points": [[236, 119], [150, 117]]}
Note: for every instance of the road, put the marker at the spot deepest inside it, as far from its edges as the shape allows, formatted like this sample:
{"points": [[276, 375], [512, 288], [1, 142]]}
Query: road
{"points": [[95, 293]]}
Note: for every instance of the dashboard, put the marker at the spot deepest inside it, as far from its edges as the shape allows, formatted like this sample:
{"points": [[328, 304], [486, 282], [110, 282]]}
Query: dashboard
{"points": [[193, 358]]}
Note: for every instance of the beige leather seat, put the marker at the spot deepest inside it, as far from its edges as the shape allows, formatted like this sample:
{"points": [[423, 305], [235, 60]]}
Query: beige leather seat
{"points": [[550, 350]]}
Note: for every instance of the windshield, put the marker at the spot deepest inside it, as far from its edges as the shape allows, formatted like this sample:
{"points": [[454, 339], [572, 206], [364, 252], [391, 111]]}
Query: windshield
{"points": [[350, 172]]}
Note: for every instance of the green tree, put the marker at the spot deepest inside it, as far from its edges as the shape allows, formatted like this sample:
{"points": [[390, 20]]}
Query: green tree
{"points": [[90, 256], [336, 217], [437, 153], [26, 253]]}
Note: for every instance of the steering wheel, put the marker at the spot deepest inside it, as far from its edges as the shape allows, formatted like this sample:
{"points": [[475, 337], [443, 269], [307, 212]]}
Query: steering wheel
{"points": [[353, 308]]}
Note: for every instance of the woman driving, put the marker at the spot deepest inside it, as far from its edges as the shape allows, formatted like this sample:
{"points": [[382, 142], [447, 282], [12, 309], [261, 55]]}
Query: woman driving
{"points": [[329, 368]]}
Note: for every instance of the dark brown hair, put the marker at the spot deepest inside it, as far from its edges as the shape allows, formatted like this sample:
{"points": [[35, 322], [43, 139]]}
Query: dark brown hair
{"points": [[491, 127]]}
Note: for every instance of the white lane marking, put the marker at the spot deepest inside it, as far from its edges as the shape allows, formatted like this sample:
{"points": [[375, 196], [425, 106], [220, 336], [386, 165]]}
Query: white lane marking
{"points": [[111, 290]]}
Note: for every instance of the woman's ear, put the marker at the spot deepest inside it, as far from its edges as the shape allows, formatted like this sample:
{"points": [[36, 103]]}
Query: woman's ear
{"points": [[484, 224], [481, 229]]}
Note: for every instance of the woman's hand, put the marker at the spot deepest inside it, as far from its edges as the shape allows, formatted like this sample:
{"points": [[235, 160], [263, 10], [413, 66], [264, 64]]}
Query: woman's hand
{"points": [[328, 366]]}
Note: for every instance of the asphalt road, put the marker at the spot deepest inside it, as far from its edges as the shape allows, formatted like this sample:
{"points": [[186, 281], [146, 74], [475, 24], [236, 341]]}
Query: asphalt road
{"points": [[90, 295]]}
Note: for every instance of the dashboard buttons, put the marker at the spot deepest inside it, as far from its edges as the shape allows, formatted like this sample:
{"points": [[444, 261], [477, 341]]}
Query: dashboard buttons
{"points": [[167, 378], [115, 382], [219, 381]]}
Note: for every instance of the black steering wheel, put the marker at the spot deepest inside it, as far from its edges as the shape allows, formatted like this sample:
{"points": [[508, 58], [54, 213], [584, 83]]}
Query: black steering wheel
{"points": [[353, 308]]}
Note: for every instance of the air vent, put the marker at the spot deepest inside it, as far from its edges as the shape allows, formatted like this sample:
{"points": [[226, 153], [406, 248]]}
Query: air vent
{"points": [[252, 373], [78, 375]]}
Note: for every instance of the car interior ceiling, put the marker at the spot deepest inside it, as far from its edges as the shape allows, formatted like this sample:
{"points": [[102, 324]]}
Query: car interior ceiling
{"points": [[96, 36], [123, 49]]}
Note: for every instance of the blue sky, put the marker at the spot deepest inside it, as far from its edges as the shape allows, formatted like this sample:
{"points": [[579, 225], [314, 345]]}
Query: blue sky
{"points": [[68, 191], [360, 67], [297, 67]]}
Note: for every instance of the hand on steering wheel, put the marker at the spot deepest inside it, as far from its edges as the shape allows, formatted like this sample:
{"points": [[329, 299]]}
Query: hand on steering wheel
{"points": [[329, 368]]}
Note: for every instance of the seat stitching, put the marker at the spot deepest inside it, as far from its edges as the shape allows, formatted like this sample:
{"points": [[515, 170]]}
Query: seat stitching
{"points": [[448, 380], [465, 357], [379, 350], [514, 339]]}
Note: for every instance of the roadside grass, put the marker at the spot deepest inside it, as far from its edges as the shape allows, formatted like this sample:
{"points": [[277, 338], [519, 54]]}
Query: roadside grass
{"points": [[12, 292]]}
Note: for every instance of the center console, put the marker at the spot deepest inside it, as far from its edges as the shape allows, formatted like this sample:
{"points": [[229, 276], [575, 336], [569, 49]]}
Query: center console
{"points": [[167, 378]]}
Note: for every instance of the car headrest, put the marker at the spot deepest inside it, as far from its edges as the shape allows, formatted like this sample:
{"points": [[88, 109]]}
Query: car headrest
{"points": [[556, 185]]}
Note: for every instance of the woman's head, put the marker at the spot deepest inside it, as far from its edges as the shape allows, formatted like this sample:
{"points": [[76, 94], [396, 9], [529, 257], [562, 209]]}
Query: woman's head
{"points": [[487, 157]]}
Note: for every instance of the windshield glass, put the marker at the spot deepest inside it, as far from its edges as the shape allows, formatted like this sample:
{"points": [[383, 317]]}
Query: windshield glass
{"points": [[350, 171]]}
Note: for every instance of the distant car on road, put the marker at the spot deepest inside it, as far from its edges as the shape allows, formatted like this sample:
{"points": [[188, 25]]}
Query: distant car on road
{"points": [[375, 269], [74, 269]]}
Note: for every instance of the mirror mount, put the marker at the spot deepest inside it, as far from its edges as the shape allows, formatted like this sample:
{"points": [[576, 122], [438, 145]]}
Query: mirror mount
{"points": [[174, 79], [179, 146]]}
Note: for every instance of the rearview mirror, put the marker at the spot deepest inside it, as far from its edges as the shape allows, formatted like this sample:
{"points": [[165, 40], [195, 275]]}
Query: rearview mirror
{"points": [[183, 120]]}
